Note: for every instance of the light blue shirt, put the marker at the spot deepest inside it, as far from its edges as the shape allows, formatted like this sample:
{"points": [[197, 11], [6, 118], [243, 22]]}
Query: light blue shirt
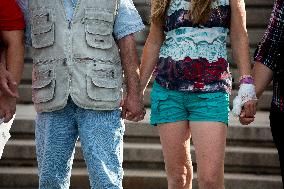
{"points": [[128, 20]]}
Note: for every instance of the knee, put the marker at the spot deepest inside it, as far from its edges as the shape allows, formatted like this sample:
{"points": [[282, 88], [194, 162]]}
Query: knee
{"points": [[180, 176], [211, 179]]}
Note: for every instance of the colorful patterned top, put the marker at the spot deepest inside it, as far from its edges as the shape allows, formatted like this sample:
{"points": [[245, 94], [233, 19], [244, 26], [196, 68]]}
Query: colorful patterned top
{"points": [[194, 57], [270, 52]]}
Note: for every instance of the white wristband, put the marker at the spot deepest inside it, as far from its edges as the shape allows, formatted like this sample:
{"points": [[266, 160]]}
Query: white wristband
{"points": [[245, 94]]}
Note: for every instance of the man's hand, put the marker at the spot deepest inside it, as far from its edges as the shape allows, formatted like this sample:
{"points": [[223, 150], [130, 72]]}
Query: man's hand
{"points": [[133, 108], [248, 112], [7, 107], [8, 85], [132, 104]]}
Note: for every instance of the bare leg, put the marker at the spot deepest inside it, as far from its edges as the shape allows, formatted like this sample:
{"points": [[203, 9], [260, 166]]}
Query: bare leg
{"points": [[209, 139], [175, 140]]}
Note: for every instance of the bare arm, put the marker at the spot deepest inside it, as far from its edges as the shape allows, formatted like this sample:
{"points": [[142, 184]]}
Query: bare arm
{"points": [[133, 104], [262, 77], [151, 53], [15, 49], [14, 59], [240, 47], [239, 37]]}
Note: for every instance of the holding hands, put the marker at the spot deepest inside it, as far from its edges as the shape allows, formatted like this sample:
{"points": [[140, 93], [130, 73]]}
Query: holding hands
{"points": [[133, 107], [8, 85], [244, 104], [8, 95]]}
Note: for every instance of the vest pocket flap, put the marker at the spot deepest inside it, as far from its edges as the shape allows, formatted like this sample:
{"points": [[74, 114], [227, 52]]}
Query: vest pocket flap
{"points": [[102, 89], [99, 41], [99, 14], [105, 83], [43, 84], [42, 28], [40, 84], [42, 76], [99, 28]]}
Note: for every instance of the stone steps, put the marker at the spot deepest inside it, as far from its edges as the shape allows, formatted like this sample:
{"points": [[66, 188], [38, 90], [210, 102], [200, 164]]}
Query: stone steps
{"points": [[134, 179], [136, 155]]}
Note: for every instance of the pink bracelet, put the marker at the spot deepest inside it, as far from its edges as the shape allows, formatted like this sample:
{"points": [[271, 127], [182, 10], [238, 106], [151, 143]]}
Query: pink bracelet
{"points": [[246, 79]]}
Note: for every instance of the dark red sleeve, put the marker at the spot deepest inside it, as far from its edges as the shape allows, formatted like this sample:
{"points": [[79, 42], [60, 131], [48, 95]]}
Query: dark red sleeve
{"points": [[11, 16]]}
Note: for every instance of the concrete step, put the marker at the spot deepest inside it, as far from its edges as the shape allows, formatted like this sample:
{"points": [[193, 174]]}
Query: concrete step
{"points": [[139, 155], [134, 179], [256, 134]]}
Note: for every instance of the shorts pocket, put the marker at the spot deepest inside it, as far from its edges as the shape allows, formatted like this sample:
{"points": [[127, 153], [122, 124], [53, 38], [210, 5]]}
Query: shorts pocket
{"points": [[42, 28], [43, 83], [99, 28], [213, 99], [103, 83], [156, 98]]}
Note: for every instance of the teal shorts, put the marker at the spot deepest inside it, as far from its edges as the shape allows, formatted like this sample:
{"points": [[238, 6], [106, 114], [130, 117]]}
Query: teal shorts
{"points": [[168, 106]]}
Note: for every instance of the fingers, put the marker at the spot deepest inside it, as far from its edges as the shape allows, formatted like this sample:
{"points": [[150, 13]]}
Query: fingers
{"points": [[250, 108], [244, 120], [137, 117], [8, 116], [140, 116], [13, 87], [9, 86]]}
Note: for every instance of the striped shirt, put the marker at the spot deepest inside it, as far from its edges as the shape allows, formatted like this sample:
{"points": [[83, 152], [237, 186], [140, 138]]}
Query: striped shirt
{"points": [[193, 57]]}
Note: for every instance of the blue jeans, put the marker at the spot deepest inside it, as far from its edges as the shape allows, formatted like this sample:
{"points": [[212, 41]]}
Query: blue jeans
{"points": [[101, 137]]}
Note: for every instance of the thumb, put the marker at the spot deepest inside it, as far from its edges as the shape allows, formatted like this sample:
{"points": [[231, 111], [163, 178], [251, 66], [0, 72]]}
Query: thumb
{"points": [[12, 85]]}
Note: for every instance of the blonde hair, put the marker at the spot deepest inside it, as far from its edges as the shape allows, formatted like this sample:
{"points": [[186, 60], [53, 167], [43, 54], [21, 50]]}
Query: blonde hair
{"points": [[199, 13]]}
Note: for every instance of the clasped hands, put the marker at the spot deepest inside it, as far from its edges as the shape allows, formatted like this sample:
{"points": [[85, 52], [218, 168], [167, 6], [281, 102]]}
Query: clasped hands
{"points": [[244, 104], [133, 107], [8, 95]]}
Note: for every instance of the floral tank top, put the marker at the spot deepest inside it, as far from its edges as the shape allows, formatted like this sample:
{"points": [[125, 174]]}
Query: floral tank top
{"points": [[194, 57]]}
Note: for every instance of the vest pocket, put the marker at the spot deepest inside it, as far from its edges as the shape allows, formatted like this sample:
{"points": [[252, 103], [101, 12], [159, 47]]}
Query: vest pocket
{"points": [[43, 83], [99, 28], [42, 28], [103, 84]]}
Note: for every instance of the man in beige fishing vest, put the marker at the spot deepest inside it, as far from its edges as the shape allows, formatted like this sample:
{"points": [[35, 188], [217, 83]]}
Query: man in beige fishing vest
{"points": [[81, 50]]}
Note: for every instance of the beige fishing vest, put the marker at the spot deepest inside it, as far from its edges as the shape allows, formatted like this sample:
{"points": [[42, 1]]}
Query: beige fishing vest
{"points": [[78, 59]]}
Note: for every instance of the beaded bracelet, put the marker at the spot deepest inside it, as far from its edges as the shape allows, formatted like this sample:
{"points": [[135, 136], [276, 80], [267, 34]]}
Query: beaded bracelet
{"points": [[246, 79]]}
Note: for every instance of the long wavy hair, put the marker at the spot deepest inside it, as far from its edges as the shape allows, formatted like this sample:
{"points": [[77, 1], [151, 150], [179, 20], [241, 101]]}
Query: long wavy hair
{"points": [[199, 12]]}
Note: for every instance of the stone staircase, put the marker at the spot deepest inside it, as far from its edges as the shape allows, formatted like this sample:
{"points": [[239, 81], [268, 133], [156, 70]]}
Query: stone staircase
{"points": [[251, 158]]}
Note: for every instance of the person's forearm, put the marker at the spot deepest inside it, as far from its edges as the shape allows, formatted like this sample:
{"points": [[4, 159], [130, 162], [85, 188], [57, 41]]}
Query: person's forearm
{"points": [[150, 53], [239, 37], [130, 63], [14, 53], [262, 77], [149, 60], [240, 48]]}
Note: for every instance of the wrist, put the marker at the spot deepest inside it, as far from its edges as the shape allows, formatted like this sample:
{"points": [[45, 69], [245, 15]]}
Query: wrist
{"points": [[246, 79]]}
